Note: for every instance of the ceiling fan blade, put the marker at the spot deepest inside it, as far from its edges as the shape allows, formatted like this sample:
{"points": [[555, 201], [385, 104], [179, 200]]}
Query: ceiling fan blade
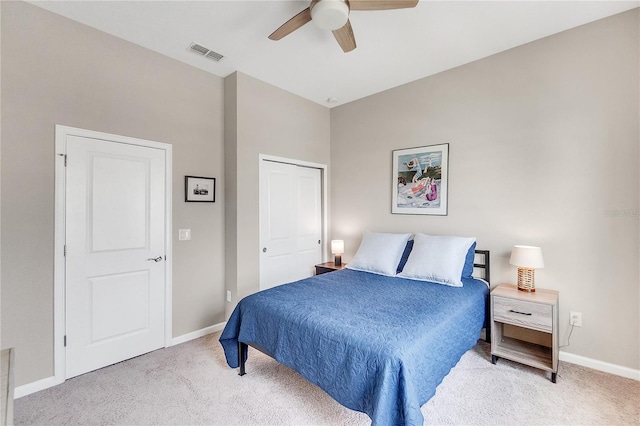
{"points": [[381, 4], [292, 24], [345, 37]]}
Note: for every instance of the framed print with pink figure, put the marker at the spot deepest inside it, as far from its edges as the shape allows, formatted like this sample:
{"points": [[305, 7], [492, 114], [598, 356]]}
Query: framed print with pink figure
{"points": [[420, 180]]}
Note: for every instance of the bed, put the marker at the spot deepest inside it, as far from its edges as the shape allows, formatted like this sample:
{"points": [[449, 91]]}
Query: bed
{"points": [[377, 344]]}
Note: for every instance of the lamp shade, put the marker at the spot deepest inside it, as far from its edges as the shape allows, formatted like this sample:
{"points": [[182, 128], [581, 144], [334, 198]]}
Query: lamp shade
{"points": [[526, 257], [337, 246]]}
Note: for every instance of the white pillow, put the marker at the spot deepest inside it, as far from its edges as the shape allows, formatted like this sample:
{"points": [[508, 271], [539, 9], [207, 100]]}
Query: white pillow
{"points": [[379, 253], [437, 259]]}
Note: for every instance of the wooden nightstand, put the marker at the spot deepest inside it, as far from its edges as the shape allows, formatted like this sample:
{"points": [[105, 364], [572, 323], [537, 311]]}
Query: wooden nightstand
{"points": [[524, 327], [325, 267]]}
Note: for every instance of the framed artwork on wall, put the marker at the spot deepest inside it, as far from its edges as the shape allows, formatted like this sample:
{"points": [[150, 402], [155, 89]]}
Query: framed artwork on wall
{"points": [[420, 180], [199, 189]]}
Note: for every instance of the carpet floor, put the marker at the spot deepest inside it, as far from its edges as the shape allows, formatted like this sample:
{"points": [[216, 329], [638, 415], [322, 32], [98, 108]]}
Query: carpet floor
{"points": [[190, 384]]}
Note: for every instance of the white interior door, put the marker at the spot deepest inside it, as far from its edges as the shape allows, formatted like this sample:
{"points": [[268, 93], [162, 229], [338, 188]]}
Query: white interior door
{"points": [[115, 252], [290, 222]]}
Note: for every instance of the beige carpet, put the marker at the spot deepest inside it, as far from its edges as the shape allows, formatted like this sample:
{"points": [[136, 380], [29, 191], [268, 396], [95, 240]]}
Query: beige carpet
{"points": [[190, 384]]}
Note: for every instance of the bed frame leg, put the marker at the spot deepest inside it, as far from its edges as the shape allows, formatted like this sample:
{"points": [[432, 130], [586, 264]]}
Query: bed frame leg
{"points": [[242, 359]]}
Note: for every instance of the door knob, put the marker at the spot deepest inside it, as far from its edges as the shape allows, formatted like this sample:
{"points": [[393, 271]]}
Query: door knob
{"points": [[318, 241], [156, 259], [264, 249]]}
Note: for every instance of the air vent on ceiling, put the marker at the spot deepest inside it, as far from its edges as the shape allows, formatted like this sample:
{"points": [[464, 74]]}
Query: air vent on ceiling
{"points": [[207, 53]]}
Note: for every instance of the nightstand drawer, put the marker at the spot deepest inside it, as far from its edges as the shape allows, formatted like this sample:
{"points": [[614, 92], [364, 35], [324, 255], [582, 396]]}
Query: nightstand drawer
{"points": [[522, 313], [323, 270]]}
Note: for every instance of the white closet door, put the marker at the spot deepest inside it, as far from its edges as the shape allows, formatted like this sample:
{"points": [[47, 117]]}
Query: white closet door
{"points": [[309, 221], [290, 222]]}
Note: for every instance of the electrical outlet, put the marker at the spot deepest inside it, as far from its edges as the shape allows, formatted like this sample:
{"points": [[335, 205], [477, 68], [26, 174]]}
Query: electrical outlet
{"points": [[575, 318], [228, 296]]}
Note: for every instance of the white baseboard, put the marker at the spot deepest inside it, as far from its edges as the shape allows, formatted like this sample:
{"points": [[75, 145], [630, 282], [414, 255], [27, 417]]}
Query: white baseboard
{"points": [[34, 387], [198, 333], [607, 367]]}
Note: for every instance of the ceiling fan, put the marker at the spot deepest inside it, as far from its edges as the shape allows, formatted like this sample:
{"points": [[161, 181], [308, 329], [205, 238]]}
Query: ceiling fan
{"points": [[334, 15]]}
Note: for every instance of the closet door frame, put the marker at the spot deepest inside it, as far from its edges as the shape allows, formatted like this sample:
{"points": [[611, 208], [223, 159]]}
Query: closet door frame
{"points": [[324, 196]]}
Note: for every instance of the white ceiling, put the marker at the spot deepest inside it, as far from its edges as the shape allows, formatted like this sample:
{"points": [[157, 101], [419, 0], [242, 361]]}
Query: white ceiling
{"points": [[394, 46]]}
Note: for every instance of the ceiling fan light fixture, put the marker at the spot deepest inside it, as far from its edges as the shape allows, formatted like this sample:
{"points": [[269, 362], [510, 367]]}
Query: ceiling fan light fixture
{"points": [[330, 14]]}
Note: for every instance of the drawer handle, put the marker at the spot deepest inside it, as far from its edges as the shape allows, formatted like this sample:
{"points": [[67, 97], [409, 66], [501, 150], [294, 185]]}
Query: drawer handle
{"points": [[518, 312]]}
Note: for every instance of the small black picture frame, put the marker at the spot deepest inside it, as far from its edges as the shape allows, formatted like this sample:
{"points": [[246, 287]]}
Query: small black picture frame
{"points": [[199, 189]]}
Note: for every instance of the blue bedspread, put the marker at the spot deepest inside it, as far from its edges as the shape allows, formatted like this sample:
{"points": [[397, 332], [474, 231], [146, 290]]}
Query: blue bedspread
{"points": [[376, 344]]}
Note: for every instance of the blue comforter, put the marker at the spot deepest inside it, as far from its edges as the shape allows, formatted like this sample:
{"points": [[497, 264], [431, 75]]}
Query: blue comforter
{"points": [[376, 344]]}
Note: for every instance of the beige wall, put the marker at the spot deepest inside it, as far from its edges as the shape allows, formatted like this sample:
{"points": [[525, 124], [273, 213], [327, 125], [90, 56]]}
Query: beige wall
{"points": [[544, 142], [56, 71], [265, 120]]}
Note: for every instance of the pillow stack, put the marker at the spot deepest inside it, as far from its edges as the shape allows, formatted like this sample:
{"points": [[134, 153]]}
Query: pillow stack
{"points": [[439, 259], [379, 253]]}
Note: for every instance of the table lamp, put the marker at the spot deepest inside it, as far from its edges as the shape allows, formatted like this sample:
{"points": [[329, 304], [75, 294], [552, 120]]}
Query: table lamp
{"points": [[527, 259], [337, 248]]}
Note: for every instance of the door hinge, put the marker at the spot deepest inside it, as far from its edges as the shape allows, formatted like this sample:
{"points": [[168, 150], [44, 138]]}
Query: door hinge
{"points": [[65, 250], [65, 341], [65, 158]]}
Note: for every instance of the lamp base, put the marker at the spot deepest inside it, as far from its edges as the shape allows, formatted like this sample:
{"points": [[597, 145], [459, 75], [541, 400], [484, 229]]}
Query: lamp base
{"points": [[526, 280], [337, 260]]}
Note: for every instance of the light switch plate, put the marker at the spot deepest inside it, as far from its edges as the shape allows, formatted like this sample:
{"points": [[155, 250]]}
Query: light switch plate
{"points": [[184, 234]]}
